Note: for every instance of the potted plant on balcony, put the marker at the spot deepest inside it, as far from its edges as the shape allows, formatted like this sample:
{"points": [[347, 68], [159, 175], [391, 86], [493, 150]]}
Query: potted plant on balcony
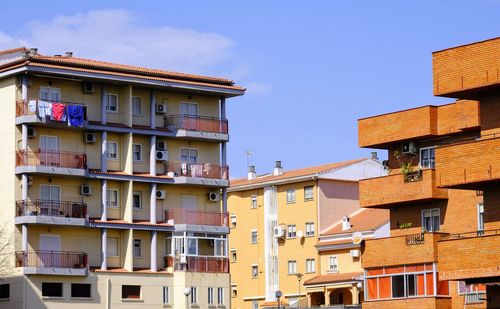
{"points": [[410, 174]]}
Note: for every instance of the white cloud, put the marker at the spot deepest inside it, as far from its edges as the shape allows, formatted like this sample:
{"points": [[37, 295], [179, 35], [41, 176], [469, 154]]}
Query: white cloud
{"points": [[117, 36]]}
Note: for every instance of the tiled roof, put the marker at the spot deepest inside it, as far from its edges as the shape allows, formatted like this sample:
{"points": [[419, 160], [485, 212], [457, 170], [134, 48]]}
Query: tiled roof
{"points": [[136, 270], [365, 219], [313, 170], [119, 173], [12, 50], [333, 278], [273, 304], [135, 222]]}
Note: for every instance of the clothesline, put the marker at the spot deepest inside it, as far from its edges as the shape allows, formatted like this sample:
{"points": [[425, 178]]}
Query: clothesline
{"points": [[73, 114]]}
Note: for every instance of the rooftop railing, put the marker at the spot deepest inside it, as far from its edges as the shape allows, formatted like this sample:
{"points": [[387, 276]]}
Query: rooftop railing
{"points": [[198, 170], [51, 208], [196, 123], [202, 264], [51, 158], [56, 259], [186, 216]]}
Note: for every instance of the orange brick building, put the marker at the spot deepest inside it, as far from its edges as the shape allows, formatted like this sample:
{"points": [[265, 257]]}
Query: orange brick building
{"points": [[442, 189]]}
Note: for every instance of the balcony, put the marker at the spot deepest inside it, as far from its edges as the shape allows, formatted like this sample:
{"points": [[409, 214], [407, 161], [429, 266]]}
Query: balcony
{"points": [[51, 212], [51, 162], [417, 123], [197, 126], [401, 250], [34, 111], [469, 255], [198, 170], [199, 264], [40, 262], [195, 217], [399, 188], [472, 171]]}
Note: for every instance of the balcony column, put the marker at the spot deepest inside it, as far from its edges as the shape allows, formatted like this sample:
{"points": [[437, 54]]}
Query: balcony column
{"points": [[152, 204], [104, 151], [104, 200], [128, 140], [152, 156], [355, 295], [154, 243], [127, 106], [24, 127], [24, 235], [129, 250], [434, 278], [223, 151], [152, 109], [104, 249], [327, 297], [103, 104], [128, 201], [24, 187], [152, 171]]}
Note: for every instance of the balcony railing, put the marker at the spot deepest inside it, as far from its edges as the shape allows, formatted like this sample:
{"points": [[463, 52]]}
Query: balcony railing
{"points": [[56, 259], [186, 216], [51, 208], [196, 123], [198, 170], [200, 264], [51, 158], [32, 107], [415, 239]]}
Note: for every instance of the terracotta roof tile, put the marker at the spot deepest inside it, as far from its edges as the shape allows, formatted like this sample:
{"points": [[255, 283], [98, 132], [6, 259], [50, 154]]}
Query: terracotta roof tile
{"points": [[334, 278], [119, 173], [135, 222], [12, 50], [136, 270], [313, 170], [273, 304], [363, 220]]}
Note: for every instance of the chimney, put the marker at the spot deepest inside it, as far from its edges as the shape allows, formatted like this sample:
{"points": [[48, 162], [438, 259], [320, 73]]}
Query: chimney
{"points": [[68, 54], [278, 170], [346, 223], [251, 172], [33, 51], [374, 155]]}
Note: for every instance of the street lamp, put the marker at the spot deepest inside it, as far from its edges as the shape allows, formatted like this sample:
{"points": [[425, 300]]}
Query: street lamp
{"points": [[187, 291], [299, 278], [278, 295]]}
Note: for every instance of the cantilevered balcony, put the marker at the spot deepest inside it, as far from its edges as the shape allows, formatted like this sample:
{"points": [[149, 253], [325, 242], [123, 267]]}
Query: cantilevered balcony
{"points": [[469, 165], [197, 127], [51, 212], [197, 170], [51, 162], [398, 188], [195, 217], [41, 262], [34, 111], [199, 264]]}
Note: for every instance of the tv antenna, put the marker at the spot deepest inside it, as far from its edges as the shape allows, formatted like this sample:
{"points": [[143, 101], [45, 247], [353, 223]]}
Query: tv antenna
{"points": [[249, 155]]}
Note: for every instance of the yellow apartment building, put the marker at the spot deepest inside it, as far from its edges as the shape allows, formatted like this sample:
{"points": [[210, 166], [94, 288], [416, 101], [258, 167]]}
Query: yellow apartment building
{"points": [[275, 220], [114, 185], [340, 279]]}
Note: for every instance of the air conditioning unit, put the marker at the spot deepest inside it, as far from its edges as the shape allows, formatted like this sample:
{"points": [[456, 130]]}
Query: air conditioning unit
{"points": [[161, 155], [355, 253], [183, 259], [161, 108], [90, 138], [408, 148], [85, 190], [213, 196], [161, 194], [88, 88], [161, 145], [31, 132], [278, 232]]}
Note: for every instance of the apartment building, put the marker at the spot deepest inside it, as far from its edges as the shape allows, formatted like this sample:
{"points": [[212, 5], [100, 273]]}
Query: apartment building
{"points": [[114, 182], [340, 279], [442, 190], [275, 220]]}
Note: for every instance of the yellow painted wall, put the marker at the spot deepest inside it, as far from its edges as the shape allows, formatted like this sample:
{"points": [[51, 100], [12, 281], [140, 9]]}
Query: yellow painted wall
{"points": [[346, 263]]}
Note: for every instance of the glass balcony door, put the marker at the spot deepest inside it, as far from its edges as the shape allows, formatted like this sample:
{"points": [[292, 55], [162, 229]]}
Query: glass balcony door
{"points": [[50, 196], [50, 150]]}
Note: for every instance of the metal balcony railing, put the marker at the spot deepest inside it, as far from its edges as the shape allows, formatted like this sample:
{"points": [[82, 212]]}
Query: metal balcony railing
{"points": [[51, 158], [198, 170], [196, 123], [51, 208], [56, 259], [200, 264], [415, 239], [186, 216], [31, 107]]}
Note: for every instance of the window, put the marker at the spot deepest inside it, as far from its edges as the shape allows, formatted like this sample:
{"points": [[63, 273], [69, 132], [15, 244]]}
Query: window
{"points": [[310, 265], [255, 304], [290, 196], [233, 220], [137, 150], [234, 256], [51, 289], [480, 218], [80, 290], [137, 248], [234, 291], [194, 295], [210, 296], [253, 204], [112, 246], [220, 296], [190, 109], [112, 198], [292, 267], [112, 150], [427, 159], [430, 220], [131, 291], [168, 246], [292, 231], [137, 200], [309, 193], [50, 94], [4, 291], [333, 264], [166, 295], [255, 271], [310, 229], [220, 247], [136, 106], [189, 155], [112, 103], [192, 246], [254, 237]]}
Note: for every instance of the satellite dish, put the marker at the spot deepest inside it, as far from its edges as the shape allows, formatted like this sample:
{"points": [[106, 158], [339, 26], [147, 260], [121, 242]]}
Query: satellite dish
{"points": [[300, 234], [357, 238]]}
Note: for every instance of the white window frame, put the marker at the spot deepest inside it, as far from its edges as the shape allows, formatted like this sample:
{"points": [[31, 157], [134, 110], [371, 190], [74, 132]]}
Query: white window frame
{"points": [[255, 304], [312, 193], [137, 241], [430, 211], [333, 263], [253, 202], [109, 153], [117, 246], [210, 295], [108, 106], [432, 160], [234, 290], [233, 220], [310, 265], [195, 240], [188, 104], [108, 198], [480, 217], [292, 267], [310, 229], [50, 90], [166, 295], [140, 105], [254, 270], [220, 296], [194, 295], [252, 236], [139, 193], [134, 152], [168, 246], [290, 196], [291, 231], [234, 255]]}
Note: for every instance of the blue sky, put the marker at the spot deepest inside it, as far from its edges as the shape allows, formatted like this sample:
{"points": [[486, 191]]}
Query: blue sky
{"points": [[312, 68]]}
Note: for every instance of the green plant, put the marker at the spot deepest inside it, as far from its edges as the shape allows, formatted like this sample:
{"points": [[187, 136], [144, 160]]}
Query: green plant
{"points": [[405, 225]]}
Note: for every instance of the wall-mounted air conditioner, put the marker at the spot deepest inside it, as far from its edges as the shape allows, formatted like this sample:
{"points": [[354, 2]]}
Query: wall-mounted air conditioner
{"points": [[161, 155], [90, 138], [278, 232], [354, 253], [161, 145], [88, 88], [85, 190], [161, 194], [161, 108], [213, 196], [408, 148]]}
